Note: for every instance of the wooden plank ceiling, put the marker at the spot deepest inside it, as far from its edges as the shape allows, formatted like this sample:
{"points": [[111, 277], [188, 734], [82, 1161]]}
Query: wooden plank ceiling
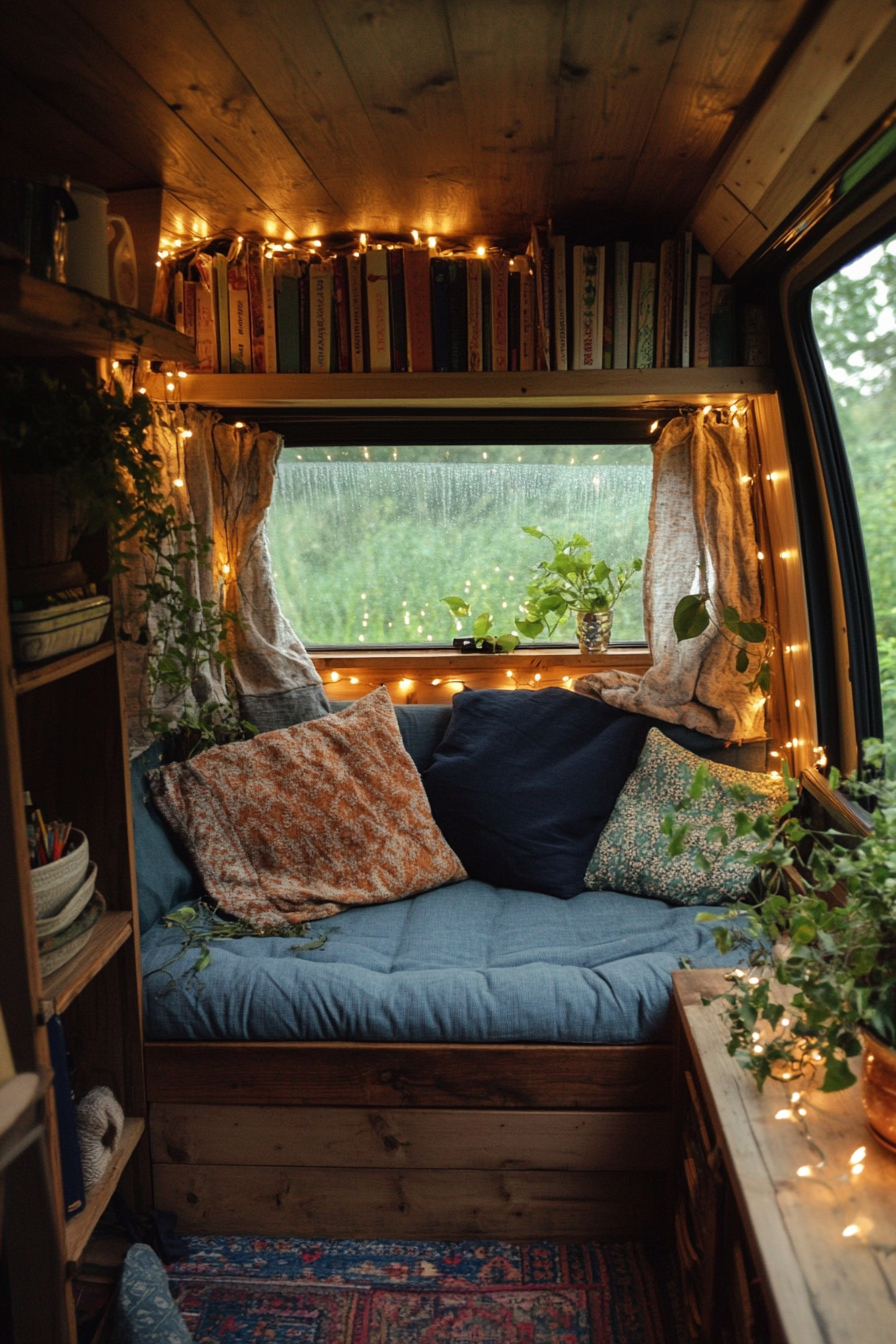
{"points": [[463, 118]]}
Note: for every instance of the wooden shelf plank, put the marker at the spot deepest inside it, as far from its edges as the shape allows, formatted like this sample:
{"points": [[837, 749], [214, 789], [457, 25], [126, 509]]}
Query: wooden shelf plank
{"points": [[61, 988], [79, 1229], [29, 678], [53, 319], [616, 387]]}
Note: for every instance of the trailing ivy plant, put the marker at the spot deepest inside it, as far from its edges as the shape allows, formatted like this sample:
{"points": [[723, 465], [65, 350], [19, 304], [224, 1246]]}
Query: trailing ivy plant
{"points": [[200, 926], [482, 626], [570, 580], [696, 612], [820, 942]]}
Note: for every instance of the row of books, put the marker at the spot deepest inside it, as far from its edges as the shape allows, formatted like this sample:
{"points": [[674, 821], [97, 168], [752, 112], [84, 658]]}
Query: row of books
{"points": [[253, 307]]}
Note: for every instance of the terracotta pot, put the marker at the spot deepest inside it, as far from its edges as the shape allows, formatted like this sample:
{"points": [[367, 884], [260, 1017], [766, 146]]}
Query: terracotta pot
{"points": [[879, 1089]]}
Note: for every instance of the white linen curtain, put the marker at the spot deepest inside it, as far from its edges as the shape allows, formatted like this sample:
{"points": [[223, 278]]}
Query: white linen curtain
{"points": [[702, 539], [227, 477]]}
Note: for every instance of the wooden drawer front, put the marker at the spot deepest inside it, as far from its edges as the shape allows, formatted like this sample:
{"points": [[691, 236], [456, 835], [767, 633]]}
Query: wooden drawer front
{"points": [[698, 1213], [346, 1137], [372, 1202]]}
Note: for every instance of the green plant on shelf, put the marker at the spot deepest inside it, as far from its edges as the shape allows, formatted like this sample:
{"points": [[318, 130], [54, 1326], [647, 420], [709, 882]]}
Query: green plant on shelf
{"points": [[486, 641], [570, 580]]}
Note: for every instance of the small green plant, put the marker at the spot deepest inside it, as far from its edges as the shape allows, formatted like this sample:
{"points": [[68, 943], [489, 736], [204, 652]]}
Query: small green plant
{"points": [[820, 942], [202, 925], [570, 580], [482, 625], [696, 612]]}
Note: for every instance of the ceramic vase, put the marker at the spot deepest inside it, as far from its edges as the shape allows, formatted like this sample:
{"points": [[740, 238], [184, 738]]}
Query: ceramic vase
{"points": [[879, 1089], [593, 629]]}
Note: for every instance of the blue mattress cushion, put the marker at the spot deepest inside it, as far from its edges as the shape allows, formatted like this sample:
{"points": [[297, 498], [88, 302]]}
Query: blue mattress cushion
{"points": [[469, 962]]}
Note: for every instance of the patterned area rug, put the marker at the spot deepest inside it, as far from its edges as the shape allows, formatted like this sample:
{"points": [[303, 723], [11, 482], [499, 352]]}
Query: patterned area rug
{"points": [[236, 1289]]}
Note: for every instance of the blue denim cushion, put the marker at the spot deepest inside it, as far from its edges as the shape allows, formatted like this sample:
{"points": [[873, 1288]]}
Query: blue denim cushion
{"points": [[163, 878]]}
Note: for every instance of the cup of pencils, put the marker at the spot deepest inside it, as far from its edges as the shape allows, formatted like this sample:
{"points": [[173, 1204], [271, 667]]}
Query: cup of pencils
{"points": [[59, 857]]}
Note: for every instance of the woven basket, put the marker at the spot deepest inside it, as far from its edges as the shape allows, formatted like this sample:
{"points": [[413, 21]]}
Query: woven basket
{"points": [[59, 948], [72, 908], [55, 883]]}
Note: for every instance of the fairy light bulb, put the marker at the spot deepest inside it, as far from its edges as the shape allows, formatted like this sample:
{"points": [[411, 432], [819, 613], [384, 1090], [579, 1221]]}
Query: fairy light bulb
{"points": [[804, 1171], [334, 676], [654, 427], [437, 681], [225, 569], [415, 234], [851, 1231], [178, 481], [363, 239], [431, 242], [858, 1156], [181, 374], [169, 387], [480, 251], [142, 391], [239, 424], [353, 681]]}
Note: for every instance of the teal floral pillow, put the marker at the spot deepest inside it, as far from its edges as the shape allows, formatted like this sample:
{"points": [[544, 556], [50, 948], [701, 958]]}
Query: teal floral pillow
{"points": [[633, 853]]}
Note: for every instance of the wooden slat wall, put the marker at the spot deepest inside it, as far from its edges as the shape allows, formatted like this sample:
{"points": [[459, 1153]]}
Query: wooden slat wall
{"points": [[448, 116]]}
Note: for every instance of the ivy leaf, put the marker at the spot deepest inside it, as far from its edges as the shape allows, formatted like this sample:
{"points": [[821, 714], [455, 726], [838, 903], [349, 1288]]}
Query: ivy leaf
{"points": [[731, 619], [482, 625], [534, 531], [764, 677], [459, 605], [837, 1075], [753, 632], [742, 661], [691, 617], [529, 629], [507, 643]]}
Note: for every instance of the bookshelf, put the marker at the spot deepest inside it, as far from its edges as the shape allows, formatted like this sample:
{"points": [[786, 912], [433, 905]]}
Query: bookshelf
{"points": [[63, 737], [610, 387]]}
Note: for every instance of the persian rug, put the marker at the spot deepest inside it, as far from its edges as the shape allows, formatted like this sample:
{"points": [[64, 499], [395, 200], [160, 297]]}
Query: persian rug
{"points": [[288, 1291]]}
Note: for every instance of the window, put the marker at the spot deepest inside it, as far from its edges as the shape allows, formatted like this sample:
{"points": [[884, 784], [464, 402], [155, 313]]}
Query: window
{"points": [[855, 324], [365, 540]]}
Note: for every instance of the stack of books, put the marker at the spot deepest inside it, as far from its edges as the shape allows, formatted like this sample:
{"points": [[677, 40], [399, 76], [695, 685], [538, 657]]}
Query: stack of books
{"points": [[254, 306]]}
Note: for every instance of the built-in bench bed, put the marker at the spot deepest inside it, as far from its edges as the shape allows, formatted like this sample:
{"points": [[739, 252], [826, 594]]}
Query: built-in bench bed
{"points": [[469, 1060]]}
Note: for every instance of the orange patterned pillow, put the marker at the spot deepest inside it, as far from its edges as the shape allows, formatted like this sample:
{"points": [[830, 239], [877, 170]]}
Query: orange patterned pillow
{"points": [[310, 820]]}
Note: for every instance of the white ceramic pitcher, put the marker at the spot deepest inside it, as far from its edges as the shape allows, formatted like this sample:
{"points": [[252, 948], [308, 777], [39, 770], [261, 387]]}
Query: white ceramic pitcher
{"points": [[87, 265]]}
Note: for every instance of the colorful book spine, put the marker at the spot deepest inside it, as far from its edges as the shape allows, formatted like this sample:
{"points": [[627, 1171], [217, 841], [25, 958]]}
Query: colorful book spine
{"points": [[620, 305], [498, 270], [634, 301], [702, 311], [474, 315], [305, 269], [418, 303], [342, 308], [457, 315], [206, 330], [686, 299], [528, 323], [222, 312], [190, 309], [645, 345], [440, 344], [240, 327], [379, 334], [321, 294], [721, 326], [664, 305], [609, 308], [588, 274], [286, 299], [559, 304], [254, 259], [513, 317], [540, 251], [486, 318], [356, 312], [398, 321], [179, 300], [270, 314]]}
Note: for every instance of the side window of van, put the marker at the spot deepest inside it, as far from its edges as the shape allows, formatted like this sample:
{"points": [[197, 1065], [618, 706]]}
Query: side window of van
{"points": [[854, 315]]}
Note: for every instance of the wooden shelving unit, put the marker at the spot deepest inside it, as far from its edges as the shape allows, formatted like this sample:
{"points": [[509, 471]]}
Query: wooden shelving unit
{"points": [[64, 738], [38, 317], [79, 1230], [60, 989], [482, 391], [41, 674]]}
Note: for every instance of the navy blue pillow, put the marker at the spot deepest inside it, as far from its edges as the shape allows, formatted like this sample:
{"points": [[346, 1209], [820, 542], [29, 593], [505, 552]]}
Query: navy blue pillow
{"points": [[523, 783]]}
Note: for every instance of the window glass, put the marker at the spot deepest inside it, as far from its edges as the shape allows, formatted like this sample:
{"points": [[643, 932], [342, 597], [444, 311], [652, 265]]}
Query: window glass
{"points": [[855, 324], [365, 541]]}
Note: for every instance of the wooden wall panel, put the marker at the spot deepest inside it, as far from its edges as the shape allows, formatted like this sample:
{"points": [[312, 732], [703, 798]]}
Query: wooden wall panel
{"points": [[329, 1136], [347, 1073], [722, 53], [292, 62], [195, 77], [360, 1202], [510, 104], [615, 63], [401, 62], [71, 66]]}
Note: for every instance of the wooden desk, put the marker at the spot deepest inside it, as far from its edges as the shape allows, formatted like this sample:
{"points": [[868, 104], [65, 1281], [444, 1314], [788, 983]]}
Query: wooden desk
{"points": [[761, 1249]]}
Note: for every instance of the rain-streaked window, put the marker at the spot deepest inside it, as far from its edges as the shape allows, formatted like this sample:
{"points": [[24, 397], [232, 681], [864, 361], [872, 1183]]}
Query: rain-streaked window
{"points": [[365, 541]]}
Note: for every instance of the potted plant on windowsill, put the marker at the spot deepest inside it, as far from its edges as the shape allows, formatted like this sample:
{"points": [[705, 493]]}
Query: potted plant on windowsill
{"points": [[821, 945], [572, 580]]}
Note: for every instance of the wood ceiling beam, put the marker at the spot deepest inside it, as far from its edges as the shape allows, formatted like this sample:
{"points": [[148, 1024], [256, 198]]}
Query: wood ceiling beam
{"points": [[796, 133]]}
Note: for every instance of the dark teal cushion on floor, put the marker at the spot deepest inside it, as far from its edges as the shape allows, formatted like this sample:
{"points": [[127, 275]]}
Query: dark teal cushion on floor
{"points": [[145, 1312]]}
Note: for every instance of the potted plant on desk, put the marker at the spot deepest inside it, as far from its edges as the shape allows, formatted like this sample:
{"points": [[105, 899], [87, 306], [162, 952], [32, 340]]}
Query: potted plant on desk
{"points": [[821, 944], [572, 580]]}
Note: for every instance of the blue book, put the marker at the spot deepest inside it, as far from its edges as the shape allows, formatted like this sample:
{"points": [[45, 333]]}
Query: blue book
{"points": [[69, 1149], [440, 346]]}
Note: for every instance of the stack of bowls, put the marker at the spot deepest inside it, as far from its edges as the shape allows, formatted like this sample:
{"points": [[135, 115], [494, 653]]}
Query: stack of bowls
{"points": [[66, 904]]}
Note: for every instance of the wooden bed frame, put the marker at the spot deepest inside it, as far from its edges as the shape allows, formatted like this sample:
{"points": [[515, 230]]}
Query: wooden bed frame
{"points": [[369, 1140], [352, 1139]]}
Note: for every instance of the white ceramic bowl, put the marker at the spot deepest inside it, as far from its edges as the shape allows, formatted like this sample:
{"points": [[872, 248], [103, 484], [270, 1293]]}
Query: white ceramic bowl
{"points": [[53, 631], [54, 883]]}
